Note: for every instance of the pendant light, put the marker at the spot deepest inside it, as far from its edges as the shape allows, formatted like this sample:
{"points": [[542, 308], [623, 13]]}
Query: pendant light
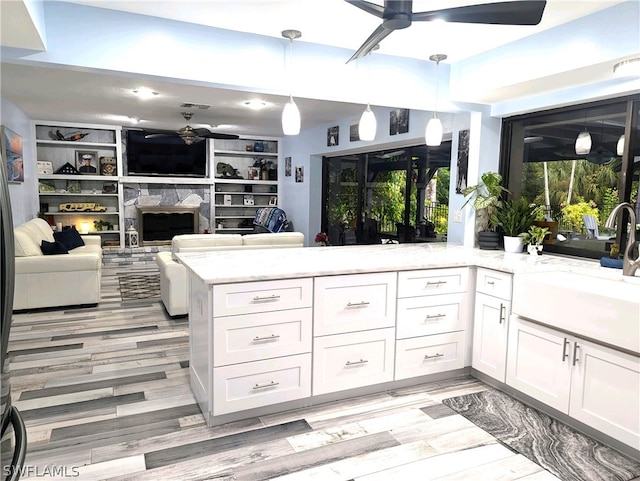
{"points": [[291, 114], [433, 133], [368, 124], [583, 142], [620, 145]]}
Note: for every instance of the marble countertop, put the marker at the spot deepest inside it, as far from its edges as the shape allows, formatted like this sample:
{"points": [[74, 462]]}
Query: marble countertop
{"points": [[222, 267]]}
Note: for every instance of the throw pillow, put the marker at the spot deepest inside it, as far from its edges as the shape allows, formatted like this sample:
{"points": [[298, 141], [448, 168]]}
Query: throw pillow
{"points": [[53, 248], [69, 237]]}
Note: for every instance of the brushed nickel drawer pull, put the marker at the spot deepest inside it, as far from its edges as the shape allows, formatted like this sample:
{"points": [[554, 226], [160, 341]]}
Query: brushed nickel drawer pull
{"points": [[565, 355], [502, 312], [435, 283], [272, 337], [575, 353], [491, 283], [358, 304], [437, 354], [271, 298], [434, 317], [356, 363], [263, 386]]}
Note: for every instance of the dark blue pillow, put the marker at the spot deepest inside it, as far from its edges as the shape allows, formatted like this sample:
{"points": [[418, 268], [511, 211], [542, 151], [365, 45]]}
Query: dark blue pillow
{"points": [[53, 248], [69, 237]]}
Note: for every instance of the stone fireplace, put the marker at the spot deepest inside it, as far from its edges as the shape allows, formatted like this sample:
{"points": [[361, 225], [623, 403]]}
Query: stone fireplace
{"points": [[157, 224]]}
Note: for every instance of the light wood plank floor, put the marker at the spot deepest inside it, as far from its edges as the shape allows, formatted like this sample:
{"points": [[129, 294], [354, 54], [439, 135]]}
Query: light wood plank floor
{"points": [[105, 394]]}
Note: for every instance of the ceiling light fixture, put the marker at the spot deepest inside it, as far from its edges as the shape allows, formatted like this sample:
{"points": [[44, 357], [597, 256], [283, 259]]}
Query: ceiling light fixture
{"points": [[583, 142], [255, 104], [144, 93], [291, 114], [627, 67], [433, 133], [368, 124]]}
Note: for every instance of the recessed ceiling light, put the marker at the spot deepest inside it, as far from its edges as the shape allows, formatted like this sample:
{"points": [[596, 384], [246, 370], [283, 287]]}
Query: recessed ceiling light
{"points": [[255, 104], [144, 93], [627, 67]]}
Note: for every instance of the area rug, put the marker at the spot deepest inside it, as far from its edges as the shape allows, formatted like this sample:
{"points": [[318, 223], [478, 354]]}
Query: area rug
{"points": [[139, 286], [560, 449]]}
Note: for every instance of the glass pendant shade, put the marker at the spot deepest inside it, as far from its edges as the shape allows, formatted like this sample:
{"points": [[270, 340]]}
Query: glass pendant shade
{"points": [[368, 125], [291, 118], [583, 143], [433, 133], [620, 145]]}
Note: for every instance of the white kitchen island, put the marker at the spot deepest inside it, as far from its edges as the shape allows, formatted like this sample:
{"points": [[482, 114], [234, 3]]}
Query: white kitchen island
{"points": [[279, 329]]}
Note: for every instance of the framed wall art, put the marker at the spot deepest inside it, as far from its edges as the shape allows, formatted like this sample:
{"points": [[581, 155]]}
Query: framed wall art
{"points": [[12, 154], [399, 121], [87, 161]]}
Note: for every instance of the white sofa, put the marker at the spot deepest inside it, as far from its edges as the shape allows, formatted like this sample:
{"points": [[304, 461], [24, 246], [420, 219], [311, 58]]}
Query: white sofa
{"points": [[173, 275], [54, 280]]}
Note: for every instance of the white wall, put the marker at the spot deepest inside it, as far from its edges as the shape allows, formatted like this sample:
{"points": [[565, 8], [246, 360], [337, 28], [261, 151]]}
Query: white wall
{"points": [[24, 201]]}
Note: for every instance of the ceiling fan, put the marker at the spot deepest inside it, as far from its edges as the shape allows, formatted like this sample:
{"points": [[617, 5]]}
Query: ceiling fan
{"points": [[190, 135], [398, 14]]}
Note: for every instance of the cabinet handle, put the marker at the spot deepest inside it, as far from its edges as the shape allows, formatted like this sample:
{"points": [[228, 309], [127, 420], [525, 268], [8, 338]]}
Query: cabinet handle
{"points": [[502, 310], [435, 283], [575, 353], [491, 283], [434, 317], [271, 298], [263, 386], [437, 354], [565, 355], [358, 304], [272, 337], [356, 363]]}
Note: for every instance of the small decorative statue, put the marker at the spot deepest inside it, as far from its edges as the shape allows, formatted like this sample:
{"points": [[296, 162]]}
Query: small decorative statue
{"points": [[226, 171]]}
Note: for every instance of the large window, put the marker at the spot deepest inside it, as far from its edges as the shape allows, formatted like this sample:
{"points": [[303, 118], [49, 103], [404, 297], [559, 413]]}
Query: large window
{"points": [[576, 183], [400, 194]]}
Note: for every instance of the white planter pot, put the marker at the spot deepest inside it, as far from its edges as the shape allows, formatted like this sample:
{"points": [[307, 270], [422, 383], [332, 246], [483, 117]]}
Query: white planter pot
{"points": [[534, 249], [513, 244]]}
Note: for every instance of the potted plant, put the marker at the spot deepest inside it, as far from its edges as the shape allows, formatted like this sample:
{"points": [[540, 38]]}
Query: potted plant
{"points": [[533, 239], [513, 218], [485, 198]]}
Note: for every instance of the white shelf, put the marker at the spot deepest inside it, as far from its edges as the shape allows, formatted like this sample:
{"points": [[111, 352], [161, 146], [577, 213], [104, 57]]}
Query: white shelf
{"points": [[74, 194], [246, 153], [83, 177], [222, 180], [93, 213], [77, 143]]}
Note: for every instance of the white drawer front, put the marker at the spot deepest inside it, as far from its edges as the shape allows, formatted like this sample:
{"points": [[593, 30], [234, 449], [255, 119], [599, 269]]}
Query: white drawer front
{"points": [[423, 316], [261, 336], [260, 383], [352, 360], [434, 281], [354, 303], [430, 354], [250, 297], [494, 283]]}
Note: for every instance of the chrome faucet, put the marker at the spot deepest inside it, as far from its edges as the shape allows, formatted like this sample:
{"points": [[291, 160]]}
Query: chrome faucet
{"points": [[629, 266]]}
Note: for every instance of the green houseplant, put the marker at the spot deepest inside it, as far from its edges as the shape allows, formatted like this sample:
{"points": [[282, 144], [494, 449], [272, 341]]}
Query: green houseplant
{"points": [[533, 239], [485, 199], [514, 217]]}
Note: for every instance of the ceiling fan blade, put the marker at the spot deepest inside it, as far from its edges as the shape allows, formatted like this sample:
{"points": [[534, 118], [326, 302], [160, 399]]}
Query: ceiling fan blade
{"points": [[374, 39], [368, 7], [523, 12], [157, 136]]}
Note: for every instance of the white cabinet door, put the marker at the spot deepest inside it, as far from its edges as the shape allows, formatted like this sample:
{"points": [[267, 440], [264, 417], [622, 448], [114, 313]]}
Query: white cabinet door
{"points": [[261, 336], [605, 392], [432, 281], [420, 356], [261, 296], [260, 383], [490, 335], [540, 361], [423, 316], [346, 361], [354, 303]]}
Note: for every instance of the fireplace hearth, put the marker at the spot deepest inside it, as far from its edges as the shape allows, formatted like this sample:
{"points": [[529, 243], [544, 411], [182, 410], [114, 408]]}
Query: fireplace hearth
{"points": [[158, 224]]}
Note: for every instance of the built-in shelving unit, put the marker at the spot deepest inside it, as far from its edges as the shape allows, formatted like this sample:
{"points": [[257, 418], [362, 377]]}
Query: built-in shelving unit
{"points": [[60, 180], [246, 178]]}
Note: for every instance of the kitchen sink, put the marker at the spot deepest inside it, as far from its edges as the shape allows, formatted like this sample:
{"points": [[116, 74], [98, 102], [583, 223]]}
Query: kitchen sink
{"points": [[603, 310]]}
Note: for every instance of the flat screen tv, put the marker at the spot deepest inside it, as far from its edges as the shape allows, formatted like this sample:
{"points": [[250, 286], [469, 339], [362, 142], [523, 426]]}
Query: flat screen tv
{"points": [[165, 156]]}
